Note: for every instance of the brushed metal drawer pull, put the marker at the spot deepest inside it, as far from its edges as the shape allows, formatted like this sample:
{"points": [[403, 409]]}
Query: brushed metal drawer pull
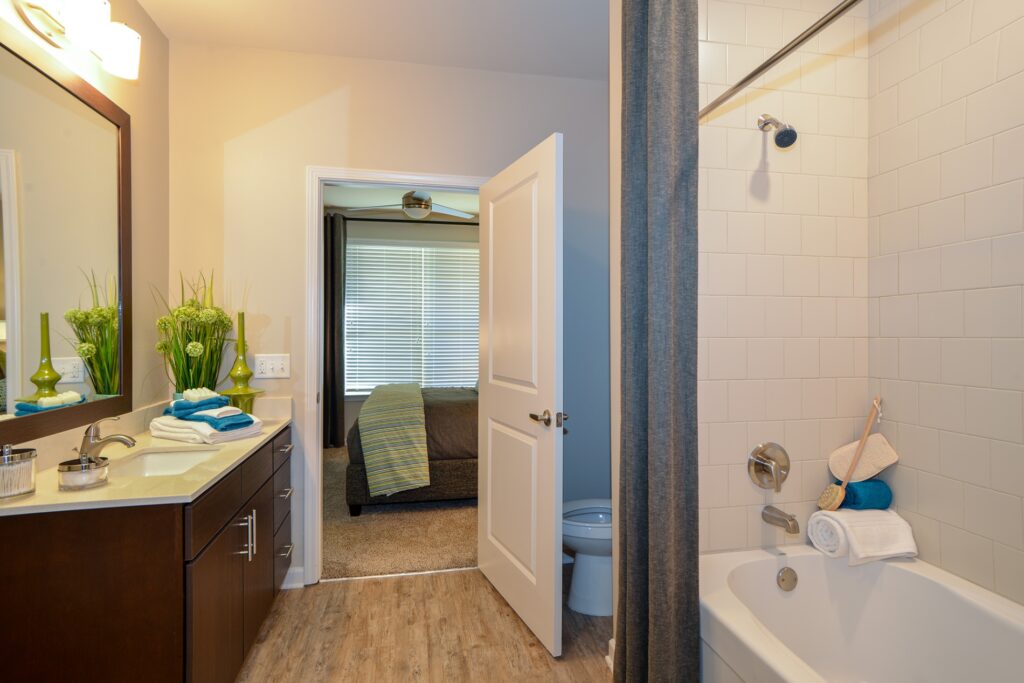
{"points": [[286, 551], [286, 448], [285, 494], [253, 532], [248, 523]]}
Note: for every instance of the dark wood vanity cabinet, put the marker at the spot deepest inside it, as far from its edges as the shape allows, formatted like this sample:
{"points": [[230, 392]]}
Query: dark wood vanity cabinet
{"points": [[170, 592], [231, 582], [216, 595]]}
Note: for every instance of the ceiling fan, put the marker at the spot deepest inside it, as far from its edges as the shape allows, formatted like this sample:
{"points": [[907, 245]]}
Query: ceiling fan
{"points": [[418, 205]]}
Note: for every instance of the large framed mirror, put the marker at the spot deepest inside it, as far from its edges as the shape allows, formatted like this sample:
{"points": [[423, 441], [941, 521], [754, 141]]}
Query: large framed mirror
{"points": [[65, 247]]}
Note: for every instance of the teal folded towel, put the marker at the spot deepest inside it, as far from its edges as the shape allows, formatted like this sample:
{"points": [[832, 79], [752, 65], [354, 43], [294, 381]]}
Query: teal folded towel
{"points": [[872, 494], [222, 424], [24, 409], [182, 408]]}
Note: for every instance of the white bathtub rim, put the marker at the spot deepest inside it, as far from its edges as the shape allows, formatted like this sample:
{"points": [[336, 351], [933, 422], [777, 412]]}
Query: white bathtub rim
{"points": [[756, 654]]}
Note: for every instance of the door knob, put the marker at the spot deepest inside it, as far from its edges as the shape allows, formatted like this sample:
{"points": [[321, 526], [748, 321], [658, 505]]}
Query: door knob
{"points": [[544, 418]]}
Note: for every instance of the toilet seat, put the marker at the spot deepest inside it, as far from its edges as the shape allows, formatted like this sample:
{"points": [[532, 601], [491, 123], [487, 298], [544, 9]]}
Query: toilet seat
{"points": [[588, 518]]}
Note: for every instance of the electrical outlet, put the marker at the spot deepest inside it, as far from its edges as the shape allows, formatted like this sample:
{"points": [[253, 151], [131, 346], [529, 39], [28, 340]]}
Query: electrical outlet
{"points": [[272, 366], [72, 370]]}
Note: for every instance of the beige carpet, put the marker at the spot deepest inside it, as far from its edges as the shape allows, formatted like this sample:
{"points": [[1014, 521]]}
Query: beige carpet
{"points": [[392, 539]]}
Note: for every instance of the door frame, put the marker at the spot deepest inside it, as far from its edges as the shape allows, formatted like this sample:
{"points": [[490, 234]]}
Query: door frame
{"points": [[12, 271], [311, 420]]}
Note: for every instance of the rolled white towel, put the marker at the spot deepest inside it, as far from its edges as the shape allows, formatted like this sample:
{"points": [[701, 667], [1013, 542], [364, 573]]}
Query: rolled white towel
{"points": [[827, 535], [199, 394], [61, 399], [861, 535]]}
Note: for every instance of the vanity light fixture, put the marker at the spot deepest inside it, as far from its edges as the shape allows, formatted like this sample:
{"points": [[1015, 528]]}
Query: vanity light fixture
{"points": [[85, 25]]}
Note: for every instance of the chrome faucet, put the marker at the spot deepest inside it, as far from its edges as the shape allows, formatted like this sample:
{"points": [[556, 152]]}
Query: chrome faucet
{"points": [[92, 444], [777, 517]]}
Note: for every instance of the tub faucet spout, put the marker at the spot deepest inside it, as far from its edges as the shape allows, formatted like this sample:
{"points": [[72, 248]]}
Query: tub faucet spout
{"points": [[777, 517]]}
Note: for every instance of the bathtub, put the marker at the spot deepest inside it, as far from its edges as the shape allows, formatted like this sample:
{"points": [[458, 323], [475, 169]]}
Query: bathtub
{"points": [[902, 621]]}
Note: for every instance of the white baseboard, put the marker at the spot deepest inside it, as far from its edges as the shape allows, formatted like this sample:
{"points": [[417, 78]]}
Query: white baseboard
{"points": [[610, 657], [294, 578]]}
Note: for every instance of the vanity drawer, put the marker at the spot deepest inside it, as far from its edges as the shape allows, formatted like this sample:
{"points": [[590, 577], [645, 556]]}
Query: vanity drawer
{"points": [[208, 515], [256, 470], [282, 493], [282, 447], [282, 552]]}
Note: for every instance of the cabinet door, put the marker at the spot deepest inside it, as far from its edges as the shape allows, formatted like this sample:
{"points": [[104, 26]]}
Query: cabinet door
{"points": [[259, 572], [215, 606]]}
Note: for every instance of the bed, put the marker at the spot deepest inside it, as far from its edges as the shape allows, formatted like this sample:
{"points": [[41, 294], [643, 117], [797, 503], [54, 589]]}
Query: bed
{"points": [[450, 417]]}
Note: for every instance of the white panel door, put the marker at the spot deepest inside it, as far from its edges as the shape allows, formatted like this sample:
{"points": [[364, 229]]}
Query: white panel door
{"points": [[519, 540]]}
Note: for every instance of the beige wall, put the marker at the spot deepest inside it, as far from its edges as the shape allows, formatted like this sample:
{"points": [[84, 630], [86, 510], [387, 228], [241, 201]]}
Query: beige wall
{"points": [[146, 100], [246, 123]]}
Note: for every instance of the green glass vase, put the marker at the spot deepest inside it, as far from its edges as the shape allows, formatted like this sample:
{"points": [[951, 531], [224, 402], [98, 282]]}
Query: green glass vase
{"points": [[45, 378], [241, 394]]}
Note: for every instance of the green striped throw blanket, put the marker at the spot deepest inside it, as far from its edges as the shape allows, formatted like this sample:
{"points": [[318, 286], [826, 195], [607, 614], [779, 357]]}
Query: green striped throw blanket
{"points": [[394, 437]]}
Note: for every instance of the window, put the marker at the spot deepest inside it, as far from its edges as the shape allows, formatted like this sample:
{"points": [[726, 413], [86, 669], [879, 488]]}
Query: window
{"points": [[412, 314]]}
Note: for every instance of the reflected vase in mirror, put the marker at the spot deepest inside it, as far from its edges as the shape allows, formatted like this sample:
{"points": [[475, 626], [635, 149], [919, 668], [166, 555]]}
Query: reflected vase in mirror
{"points": [[45, 378]]}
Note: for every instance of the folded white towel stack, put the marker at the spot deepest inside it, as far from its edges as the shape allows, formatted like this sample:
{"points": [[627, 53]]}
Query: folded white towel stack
{"points": [[862, 535], [167, 427], [877, 455]]}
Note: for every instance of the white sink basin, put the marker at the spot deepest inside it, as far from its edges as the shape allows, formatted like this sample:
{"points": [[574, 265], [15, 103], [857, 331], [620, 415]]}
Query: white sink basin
{"points": [[162, 462]]}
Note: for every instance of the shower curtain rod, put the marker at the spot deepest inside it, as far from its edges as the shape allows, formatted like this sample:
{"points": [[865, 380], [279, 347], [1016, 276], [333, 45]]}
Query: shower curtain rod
{"points": [[838, 11]]}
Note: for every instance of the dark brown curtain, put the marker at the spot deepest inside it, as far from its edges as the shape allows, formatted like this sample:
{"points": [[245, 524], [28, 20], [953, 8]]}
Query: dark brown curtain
{"points": [[334, 331]]}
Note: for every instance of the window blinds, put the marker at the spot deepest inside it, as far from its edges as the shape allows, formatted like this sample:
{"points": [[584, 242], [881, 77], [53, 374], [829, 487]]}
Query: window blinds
{"points": [[412, 314]]}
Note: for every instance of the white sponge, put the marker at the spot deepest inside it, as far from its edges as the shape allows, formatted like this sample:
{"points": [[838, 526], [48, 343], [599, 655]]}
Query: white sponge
{"points": [[878, 455]]}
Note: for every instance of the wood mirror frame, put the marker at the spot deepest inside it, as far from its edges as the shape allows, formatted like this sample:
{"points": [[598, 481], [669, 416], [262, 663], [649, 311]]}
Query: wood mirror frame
{"points": [[18, 430]]}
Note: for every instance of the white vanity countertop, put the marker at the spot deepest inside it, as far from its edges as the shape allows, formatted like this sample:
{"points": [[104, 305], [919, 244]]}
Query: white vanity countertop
{"points": [[127, 491]]}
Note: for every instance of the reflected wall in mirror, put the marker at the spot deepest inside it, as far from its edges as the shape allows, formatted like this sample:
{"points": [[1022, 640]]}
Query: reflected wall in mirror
{"points": [[59, 209]]}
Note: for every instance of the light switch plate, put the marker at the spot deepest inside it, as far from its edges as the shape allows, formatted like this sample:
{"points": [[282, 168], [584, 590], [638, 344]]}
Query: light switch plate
{"points": [[273, 366], [72, 370]]}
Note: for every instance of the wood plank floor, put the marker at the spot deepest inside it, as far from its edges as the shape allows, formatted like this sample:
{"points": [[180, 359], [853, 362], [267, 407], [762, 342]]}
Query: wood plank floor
{"points": [[450, 626]]}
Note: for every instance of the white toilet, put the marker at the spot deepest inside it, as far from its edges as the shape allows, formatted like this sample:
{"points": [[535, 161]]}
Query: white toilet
{"points": [[587, 530]]}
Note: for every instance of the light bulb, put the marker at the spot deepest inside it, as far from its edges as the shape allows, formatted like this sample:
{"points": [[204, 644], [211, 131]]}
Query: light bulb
{"points": [[85, 22], [120, 50], [416, 212]]}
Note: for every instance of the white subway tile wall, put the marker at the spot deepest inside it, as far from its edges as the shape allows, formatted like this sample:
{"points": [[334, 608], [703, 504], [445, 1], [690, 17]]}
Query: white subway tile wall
{"points": [[883, 253], [947, 354], [784, 242]]}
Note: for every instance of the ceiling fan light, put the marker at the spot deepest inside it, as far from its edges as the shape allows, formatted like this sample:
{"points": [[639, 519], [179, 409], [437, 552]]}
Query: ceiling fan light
{"points": [[416, 212]]}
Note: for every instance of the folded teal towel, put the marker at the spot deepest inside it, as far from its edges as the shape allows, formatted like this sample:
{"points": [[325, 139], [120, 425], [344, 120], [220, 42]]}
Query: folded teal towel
{"points": [[23, 409], [182, 408], [222, 424], [872, 494]]}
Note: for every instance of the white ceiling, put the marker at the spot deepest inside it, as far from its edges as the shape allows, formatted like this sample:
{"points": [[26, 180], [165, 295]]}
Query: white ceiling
{"points": [[549, 37]]}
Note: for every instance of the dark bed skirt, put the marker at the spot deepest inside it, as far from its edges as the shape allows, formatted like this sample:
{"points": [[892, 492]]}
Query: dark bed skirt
{"points": [[449, 480]]}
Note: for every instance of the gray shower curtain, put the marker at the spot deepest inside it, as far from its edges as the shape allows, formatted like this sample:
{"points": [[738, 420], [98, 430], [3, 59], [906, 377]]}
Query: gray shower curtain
{"points": [[657, 635]]}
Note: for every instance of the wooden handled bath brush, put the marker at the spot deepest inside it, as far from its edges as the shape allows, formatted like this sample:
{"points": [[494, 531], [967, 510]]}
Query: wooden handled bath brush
{"points": [[832, 497]]}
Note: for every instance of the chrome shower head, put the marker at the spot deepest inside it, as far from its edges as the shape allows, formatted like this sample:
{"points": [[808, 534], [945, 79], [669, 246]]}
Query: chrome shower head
{"points": [[785, 135]]}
